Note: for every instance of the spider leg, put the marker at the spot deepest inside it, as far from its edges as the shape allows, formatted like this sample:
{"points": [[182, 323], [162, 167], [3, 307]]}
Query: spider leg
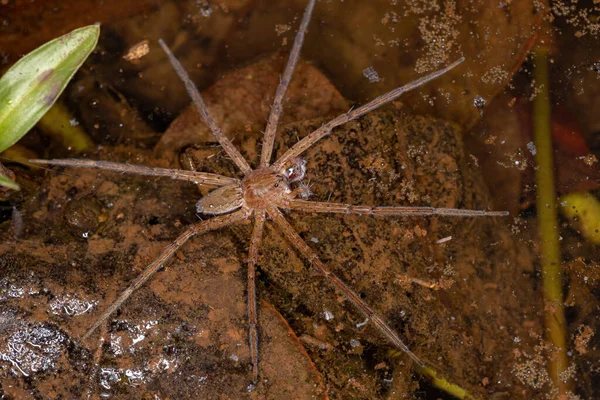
{"points": [[313, 259], [202, 178], [252, 310], [277, 108], [201, 227], [339, 208], [325, 130], [192, 90]]}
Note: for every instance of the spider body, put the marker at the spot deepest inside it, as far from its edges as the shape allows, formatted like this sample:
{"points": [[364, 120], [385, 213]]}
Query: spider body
{"points": [[258, 189]]}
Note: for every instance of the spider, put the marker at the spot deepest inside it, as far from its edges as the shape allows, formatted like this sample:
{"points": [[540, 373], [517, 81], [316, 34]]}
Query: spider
{"points": [[265, 191]]}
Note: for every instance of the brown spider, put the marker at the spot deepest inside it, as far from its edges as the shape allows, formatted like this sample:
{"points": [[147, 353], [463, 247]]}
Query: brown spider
{"points": [[265, 191]]}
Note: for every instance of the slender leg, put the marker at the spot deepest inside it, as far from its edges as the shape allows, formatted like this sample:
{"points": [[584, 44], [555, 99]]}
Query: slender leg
{"points": [[325, 130], [229, 148], [209, 225], [313, 259], [252, 310], [277, 108], [203, 178], [338, 208], [96, 364]]}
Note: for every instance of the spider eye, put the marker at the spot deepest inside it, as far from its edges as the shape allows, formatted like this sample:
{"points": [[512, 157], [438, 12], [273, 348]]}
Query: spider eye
{"points": [[276, 185]]}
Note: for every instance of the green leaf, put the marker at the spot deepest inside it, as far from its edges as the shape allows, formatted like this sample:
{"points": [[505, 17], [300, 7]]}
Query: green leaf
{"points": [[32, 85], [4, 181]]}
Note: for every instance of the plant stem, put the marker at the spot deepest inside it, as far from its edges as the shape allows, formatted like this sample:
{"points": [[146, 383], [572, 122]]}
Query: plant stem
{"points": [[548, 227], [443, 384]]}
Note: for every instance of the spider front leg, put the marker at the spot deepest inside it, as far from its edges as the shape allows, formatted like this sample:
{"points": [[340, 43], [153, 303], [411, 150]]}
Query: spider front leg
{"points": [[201, 227], [318, 134], [277, 107], [202, 109], [313, 259], [259, 223], [202, 178]]}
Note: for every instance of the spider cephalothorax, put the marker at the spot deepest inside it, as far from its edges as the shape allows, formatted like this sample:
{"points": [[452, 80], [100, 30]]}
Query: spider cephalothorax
{"points": [[257, 190], [263, 187], [265, 191]]}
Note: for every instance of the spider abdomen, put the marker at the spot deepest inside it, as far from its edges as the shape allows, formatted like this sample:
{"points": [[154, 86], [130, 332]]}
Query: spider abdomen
{"points": [[221, 201]]}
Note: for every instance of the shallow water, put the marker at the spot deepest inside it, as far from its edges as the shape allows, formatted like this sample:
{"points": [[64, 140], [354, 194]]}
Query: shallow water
{"points": [[87, 233]]}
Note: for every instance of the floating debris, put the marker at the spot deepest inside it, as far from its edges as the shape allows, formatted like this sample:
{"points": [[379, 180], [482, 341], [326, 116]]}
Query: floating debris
{"points": [[280, 29], [589, 160], [444, 240], [479, 101], [371, 74], [314, 343], [137, 51], [361, 324]]}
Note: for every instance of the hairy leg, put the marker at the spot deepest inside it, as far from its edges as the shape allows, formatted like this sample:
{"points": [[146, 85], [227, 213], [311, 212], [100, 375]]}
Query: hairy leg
{"points": [[201, 227], [252, 309], [277, 107], [202, 178], [325, 130], [313, 259], [229, 148], [339, 208]]}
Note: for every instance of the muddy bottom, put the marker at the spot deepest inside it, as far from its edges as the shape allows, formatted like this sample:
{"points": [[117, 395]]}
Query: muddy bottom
{"points": [[184, 334]]}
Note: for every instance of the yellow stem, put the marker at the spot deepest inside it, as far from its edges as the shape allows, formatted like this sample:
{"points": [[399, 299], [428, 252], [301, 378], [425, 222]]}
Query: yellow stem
{"points": [[443, 384], [432, 376], [548, 228]]}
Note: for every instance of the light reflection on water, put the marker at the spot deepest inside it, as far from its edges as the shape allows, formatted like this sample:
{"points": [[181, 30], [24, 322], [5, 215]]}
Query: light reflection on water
{"points": [[31, 348]]}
